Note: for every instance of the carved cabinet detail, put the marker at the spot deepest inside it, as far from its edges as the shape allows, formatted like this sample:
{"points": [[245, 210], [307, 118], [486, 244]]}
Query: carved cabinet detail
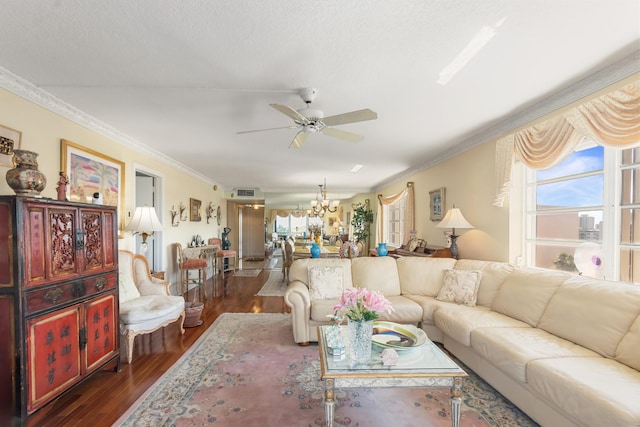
{"points": [[58, 299]]}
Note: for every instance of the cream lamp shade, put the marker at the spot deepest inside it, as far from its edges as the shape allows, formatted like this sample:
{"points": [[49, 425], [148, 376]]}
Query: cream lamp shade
{"points": [[454, 219], [144, 222]]}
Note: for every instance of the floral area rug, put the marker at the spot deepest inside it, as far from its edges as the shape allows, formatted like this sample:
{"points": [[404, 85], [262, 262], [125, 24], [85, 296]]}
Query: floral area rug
{"points": [[275, 286], [247, 371]]}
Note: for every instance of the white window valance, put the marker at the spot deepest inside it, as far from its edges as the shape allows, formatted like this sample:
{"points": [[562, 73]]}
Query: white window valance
{"points": [[611, 120]]}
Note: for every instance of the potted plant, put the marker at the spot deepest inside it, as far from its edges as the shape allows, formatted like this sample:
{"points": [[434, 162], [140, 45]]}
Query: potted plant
{"points": [[362, 218]]}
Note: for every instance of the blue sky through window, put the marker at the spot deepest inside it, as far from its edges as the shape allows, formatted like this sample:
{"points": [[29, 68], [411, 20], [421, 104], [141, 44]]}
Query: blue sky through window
{"points": [[585, 191]]}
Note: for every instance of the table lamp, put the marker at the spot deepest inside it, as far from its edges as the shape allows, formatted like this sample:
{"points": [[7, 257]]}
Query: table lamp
{"points": [[454, 219], [144, 222]]}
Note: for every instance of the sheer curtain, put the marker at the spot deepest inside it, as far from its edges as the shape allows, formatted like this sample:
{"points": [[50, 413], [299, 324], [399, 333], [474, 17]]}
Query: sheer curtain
{"points": [[409, 213], [611, 120]]}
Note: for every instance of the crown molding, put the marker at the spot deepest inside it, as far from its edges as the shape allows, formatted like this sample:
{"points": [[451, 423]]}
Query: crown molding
{"points": [[27, 90], [586, 87]]}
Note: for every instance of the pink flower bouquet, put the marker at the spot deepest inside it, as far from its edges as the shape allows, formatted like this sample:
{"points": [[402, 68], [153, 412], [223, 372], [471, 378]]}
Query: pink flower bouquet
{"points": [[361, 304]]}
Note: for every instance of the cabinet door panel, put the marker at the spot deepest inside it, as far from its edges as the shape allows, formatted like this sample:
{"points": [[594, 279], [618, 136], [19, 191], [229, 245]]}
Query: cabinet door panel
{"points": [[93, 249], [6, 250], [34, 234], [62, 230], [53, 355], [102, 330]]}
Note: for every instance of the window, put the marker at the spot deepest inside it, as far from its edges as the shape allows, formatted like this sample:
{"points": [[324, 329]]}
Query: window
{"points": [[395, 214], [592, 196], [295, 226]]}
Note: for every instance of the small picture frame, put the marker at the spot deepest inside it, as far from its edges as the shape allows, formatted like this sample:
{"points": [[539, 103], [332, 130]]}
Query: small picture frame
{"points": [[437, 204], [9, 141], [195, 207]]}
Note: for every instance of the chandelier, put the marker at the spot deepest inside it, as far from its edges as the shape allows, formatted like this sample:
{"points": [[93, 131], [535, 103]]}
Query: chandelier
{"points": [[321, 205]]}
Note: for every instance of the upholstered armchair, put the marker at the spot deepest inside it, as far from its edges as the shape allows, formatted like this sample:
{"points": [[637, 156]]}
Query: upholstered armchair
{"points": [[145, 302]]}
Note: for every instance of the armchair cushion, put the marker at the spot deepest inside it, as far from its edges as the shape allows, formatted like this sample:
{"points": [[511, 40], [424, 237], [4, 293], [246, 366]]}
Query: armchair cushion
{"points": [[128, 289], [150, 307]]}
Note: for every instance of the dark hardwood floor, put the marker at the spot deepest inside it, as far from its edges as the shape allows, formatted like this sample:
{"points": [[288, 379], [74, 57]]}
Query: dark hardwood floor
{"points": [[106, 395]]}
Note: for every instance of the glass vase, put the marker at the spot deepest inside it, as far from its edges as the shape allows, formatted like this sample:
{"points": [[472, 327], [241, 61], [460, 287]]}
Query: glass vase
{"points": [[360, 333]]}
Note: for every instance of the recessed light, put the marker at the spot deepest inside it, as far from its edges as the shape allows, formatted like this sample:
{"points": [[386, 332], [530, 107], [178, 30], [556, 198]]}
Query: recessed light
{"points": [[356, 168]]}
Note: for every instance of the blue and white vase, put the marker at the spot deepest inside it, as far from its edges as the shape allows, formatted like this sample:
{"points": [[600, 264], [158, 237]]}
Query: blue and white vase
{"points": [[315, 250], [382, 249]]}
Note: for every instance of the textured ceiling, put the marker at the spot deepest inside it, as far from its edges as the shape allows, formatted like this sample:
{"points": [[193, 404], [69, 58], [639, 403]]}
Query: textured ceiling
{"points": [[183, 77]]}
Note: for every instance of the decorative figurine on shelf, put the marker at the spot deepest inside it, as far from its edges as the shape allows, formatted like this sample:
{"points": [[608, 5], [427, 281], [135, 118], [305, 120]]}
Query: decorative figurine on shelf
{"points": [[226, 244], [62, 186]]}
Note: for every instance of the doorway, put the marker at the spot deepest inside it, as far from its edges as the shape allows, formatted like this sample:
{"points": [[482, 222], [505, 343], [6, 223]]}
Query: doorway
{"points": [[148, 191]]}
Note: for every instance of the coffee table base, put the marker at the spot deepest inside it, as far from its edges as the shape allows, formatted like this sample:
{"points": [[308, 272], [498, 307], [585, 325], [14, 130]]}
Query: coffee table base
{"points": [[331, 384]]}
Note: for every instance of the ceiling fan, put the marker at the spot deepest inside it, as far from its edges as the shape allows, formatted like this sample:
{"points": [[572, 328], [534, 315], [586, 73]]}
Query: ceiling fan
{"points": [[309, 120]]}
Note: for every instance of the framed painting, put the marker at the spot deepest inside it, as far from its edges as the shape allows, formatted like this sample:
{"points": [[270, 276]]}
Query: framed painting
{"points": [[195, 210], [9, 141], [92, 172], [436, 204]]}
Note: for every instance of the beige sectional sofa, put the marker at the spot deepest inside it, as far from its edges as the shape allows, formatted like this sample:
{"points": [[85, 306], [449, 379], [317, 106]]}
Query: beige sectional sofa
{"points": [[565, 349]]}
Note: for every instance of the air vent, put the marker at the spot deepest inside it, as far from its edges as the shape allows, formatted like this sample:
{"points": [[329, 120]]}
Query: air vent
{"points": [[246, 192]]}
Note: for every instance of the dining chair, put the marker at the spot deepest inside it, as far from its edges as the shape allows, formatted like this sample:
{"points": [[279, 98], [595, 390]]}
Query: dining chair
{"points": [[188, 264], [224, 256]]}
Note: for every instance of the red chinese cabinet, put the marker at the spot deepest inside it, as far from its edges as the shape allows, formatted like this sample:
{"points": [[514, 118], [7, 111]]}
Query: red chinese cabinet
{"points": [[58, 299]]}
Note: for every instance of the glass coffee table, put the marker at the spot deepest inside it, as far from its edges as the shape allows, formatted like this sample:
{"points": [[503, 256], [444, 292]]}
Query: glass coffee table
{"points": [[422, 366]]}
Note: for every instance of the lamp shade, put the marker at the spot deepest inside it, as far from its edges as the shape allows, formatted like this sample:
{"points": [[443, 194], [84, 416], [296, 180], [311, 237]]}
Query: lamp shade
{"points": [[145, 220], [454, 219]]}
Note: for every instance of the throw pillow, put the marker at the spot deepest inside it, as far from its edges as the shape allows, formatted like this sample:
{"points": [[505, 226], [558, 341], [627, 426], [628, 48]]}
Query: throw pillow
{"points": [[127, 288], [460, 286], [326, 281]]}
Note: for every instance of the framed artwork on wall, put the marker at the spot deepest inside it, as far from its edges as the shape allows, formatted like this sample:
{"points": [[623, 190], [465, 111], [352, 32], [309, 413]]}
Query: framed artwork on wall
{"points": [[92, 172], [195, 207], [9, 141], [436, 204]]}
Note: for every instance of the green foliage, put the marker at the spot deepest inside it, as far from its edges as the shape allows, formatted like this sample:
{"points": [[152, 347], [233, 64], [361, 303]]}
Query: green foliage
{"points": [[565, 262], [362, 217]]}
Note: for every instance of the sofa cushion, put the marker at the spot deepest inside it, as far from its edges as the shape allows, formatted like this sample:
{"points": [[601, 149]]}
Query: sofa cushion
{"points": [[593, 391], [376, 274], [460, 286], [405, 311], [593, 313], [326, 281], [628, 351], [149, 307], [422, 275], [511, 349], [126, 287], [299, 270], [493, 274], [525, 293], [429, 306], [460, 323]]}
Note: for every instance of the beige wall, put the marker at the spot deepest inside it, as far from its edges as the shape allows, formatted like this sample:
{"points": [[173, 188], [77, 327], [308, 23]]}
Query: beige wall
{"points": [[42, 131], [469, 184]]}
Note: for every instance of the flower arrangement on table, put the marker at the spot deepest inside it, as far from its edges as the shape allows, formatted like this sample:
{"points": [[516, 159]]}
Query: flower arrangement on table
{"points": [[361, 304]]}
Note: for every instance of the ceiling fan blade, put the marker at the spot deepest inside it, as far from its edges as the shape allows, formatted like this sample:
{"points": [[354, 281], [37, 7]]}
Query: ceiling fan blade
{"points": [[341, 134], [352, 117], [298, 140], [262, 130], [285, 109]]}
